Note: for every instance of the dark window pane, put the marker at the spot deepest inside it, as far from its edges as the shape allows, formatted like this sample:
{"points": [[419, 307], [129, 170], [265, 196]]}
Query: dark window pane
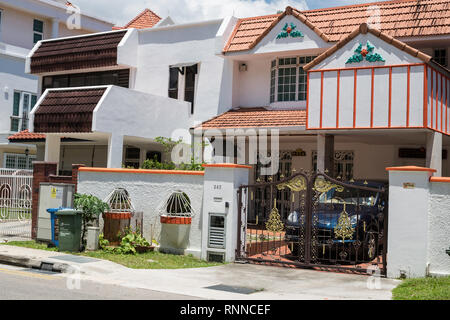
{"points": [[33, 101], [37, 37], [189, 93], [38, 26], [16, 105], [14, 125], [173, 83]]}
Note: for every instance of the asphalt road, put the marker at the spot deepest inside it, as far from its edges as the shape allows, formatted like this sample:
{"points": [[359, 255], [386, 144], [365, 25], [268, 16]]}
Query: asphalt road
{"points": [[25, 284]]}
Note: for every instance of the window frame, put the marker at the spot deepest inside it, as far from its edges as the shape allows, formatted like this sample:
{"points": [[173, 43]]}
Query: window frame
{"points": [[288, 63], [29, 165], [1, 22], [172, 90], [183, 89], [20, 116], [37, 32]]}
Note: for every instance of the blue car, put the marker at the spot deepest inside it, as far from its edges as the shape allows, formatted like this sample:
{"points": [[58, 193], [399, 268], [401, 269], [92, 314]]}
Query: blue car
{"points": [[351, 219]]}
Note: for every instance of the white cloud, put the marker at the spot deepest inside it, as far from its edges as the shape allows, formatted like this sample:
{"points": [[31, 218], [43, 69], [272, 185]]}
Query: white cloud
{"points": [[121, 12]]}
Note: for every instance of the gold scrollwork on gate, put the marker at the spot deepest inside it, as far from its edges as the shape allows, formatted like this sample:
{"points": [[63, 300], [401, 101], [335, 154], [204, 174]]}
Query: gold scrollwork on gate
{"points": [[296, 184], [321, 185]]}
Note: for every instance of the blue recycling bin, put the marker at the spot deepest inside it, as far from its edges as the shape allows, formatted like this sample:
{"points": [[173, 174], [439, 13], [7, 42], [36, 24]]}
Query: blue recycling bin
{"points": [[55, 224]]}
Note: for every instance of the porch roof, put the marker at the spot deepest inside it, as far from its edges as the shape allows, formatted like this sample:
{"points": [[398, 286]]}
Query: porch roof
{"points": [[398, 18], [67, 110], [256, 118], [26, 136], [74, 53], [146, 19]]}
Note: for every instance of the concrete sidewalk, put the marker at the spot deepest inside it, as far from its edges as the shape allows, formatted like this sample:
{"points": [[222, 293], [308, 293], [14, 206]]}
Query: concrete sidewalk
{"points": [[269, 283]]}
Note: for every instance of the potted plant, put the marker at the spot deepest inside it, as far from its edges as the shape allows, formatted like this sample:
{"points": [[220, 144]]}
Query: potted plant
{"points": [[91, 208]]}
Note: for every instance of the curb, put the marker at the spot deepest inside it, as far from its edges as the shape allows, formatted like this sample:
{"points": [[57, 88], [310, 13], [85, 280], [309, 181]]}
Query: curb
{"points": [[21, 261]]}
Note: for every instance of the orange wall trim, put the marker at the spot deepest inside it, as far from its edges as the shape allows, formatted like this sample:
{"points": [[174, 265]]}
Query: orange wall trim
{"points": [[440, 179], [410, 168], [142, 171], [227, 165]]}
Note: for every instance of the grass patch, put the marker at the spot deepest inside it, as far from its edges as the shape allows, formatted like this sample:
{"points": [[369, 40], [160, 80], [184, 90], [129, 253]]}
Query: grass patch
{"points": [[150, 260], [423, 289]]}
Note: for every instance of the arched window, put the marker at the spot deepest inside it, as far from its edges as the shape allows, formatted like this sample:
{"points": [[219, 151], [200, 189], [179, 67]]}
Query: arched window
{"points": [[178, 204]]}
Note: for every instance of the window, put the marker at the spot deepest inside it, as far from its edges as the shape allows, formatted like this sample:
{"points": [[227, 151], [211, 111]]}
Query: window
{"points": [[343, 164], [132, 157], [189, 78], [22, 105], [119, 78], [440, 56], [288, 80], [173, 83], [1, 16], [18, 161], [38, 30]]}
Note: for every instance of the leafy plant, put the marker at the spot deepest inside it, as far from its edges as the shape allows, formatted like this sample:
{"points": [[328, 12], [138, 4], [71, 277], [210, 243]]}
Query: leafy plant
{"points": [[91, 208], [130, 239]]}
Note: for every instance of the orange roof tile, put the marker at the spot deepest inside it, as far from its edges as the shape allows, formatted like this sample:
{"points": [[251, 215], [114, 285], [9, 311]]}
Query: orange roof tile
{"points": [[256, 118], [399, 18], [146, 19], [26, 135]]}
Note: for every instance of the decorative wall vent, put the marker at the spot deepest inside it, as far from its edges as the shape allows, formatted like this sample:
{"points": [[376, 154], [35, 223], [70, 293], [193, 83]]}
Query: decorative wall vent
{"points": [[119, 201], [177, 209]]}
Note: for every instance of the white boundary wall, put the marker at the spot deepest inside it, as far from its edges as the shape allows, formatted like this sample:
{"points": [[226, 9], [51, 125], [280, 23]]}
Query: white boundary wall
{"points": [[419, 223], [147, 192]]}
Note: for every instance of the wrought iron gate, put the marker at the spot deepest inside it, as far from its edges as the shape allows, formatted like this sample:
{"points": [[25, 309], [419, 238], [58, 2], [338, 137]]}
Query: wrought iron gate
{"points": [[15, 204], [332, 225]]}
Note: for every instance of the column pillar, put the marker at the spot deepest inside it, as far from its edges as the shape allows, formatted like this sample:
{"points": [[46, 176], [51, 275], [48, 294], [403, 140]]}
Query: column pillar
{"points": [[434, 152], [55, 28], [325, 153], [52, 149], [115, 151], [407, 234]]}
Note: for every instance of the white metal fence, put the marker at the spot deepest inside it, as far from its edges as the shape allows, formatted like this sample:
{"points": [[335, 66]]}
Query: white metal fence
{"points": [[15, 204]]}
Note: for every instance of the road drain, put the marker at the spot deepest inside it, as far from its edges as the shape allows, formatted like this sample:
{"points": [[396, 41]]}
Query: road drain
{"points": [[232, 289]]}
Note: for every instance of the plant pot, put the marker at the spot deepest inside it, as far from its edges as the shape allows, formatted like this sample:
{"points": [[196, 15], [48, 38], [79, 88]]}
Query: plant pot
{"points": [[176, 220], [144, 249], [175, 232], [115, 223]]}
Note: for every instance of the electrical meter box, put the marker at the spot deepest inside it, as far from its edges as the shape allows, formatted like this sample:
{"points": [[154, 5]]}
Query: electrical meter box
{"points": [[52, 195]]}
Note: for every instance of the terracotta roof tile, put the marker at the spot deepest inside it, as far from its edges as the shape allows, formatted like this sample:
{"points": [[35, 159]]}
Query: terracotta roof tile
{"points": [[146, 19], [256, 118], [67, 110], [399, 18], [26, 135]]}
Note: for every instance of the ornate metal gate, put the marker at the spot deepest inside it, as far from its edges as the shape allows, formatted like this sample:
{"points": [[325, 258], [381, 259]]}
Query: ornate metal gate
{"points": [[332, 225], [15, 204]]}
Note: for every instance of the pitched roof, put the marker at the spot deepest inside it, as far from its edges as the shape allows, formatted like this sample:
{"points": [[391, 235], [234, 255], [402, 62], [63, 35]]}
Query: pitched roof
{"points": [[256, 118], [69, 110], [146, 19], [25, 135], [363, 29], [92, 51], [399, 18]]}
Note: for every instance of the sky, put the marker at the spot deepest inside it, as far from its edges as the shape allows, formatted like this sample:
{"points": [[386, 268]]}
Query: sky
{"points": [[120, 11]]}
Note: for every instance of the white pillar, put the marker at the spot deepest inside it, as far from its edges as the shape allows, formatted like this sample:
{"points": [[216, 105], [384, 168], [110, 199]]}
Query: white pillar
{"points": [[434, 152], [115, 151], [55, 28], [325, 154], [52, 149], [408, 221], [221, 184]]}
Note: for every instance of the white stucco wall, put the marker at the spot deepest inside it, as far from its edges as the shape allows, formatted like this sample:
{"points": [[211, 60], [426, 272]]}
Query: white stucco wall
{"points": [[162, 47], [148, 192], [439, 228]]}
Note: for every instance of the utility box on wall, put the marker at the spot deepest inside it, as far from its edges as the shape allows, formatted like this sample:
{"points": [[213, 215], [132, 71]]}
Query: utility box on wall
{"points": [[52, 195]]}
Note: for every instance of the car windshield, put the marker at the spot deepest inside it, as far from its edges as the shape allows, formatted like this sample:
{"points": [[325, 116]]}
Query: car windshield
{"points": [[361, 197]]}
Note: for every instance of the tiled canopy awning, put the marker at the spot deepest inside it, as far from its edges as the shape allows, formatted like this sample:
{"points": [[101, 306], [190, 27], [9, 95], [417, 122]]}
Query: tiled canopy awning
{"points": [[399, 18], [67, 111], [26, 136], [93, 51], [256, 118]]}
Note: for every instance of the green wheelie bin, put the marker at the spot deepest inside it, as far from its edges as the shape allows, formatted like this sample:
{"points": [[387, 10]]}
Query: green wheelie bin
{"points": [[70, 224]]}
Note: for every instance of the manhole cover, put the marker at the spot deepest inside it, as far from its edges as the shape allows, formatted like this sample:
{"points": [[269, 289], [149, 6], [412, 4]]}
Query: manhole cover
{"points": [[240, 290], [75, 259]]}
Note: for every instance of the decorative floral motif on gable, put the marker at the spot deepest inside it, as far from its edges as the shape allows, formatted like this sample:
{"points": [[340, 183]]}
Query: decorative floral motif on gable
{"points": [[366, 53], [289, 31]]}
